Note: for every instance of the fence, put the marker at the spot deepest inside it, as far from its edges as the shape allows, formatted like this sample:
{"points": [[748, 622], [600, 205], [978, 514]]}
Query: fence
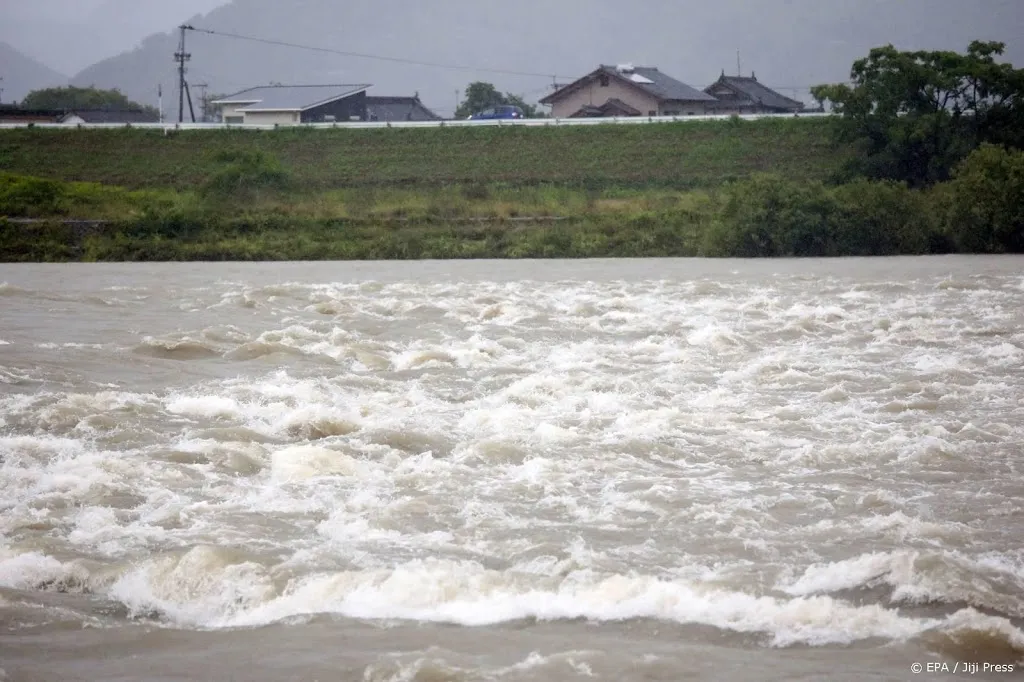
{"points": [[528, 122]]}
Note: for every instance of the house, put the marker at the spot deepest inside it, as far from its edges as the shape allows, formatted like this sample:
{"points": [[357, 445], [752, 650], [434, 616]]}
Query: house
{"points": [[740, 95], [14, 114], [398, 109], [627, 90], [9, 114], [292, 104], [110, 116]]}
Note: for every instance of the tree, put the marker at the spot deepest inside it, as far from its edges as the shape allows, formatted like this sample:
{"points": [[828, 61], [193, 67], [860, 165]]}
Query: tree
{"points": [[917, 114], [72, 98], [481, 95], [986, 201]]}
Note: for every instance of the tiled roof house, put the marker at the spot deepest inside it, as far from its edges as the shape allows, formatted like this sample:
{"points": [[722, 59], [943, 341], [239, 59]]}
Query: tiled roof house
{"points": [[627, 90]]}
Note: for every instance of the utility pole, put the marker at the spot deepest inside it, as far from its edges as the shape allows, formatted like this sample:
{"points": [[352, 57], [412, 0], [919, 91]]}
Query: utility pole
{"points": [[160, 100], [1, 89], [202, 100], [181, 56], [739, 69]]}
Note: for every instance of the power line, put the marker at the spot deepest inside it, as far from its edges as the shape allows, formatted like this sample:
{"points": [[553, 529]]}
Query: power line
{"points": [[361, 55]]}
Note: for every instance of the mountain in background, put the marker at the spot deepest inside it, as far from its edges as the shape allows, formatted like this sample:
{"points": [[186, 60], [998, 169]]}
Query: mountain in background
{"points": [[69, 35], [790, 45], [21, 75]]}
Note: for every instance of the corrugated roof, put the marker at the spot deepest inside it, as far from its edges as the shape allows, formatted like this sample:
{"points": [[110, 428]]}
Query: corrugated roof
{"points": [[290, 97], [759, 93]]}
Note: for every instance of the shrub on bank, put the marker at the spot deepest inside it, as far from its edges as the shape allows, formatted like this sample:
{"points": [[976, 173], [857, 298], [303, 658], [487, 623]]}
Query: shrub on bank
{"points": [[984, 203], [770, 216], [27, 197], [243, 174]]}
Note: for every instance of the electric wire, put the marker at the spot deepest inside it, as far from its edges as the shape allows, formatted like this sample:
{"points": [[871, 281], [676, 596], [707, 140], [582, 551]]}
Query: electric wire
{"points": [[363, 55]]}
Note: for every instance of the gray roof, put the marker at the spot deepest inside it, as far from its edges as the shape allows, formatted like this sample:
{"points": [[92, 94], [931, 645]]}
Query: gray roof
{"points": [[614, 107], [662, 86], [115, 115], [647, 78], [758, 93], [398, 109], [290, 97]]}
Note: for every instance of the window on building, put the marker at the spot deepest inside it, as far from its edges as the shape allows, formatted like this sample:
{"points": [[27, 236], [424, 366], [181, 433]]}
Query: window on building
{"points": [[605, 80], [652, 112], [234, 120]]}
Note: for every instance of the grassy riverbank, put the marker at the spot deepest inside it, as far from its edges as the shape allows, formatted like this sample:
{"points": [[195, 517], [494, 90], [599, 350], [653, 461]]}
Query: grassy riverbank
{"points": [[687, 189], [669, 155]]}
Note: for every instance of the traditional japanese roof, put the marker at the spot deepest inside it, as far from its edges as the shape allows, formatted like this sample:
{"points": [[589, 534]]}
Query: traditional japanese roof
{"points": [[613, 107], [646, 78], [756, 92], [114, 115], [398, 109]]}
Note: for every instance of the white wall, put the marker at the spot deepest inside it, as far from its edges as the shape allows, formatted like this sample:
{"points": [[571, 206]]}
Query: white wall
{"points": [[272, 117], [593, 94]]}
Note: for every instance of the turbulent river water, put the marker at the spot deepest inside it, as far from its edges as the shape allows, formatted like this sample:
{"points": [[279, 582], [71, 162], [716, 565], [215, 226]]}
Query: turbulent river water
{"points": [[623, 470]]}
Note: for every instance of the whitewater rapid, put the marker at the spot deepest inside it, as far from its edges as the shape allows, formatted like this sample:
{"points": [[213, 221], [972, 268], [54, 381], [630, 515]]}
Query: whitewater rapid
{"points": [[813, 458]]}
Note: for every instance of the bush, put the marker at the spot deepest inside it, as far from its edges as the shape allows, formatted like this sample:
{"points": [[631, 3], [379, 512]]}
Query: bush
{"points": [[770, 216], [244, 174], [882, 219], [984, 212], [24, 196]]}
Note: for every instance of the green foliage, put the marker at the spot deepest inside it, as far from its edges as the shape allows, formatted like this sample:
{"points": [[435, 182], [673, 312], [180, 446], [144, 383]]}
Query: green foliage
{"points": [[22, 196], [71, 98], [481, 95], [244, 174], [917, 114], [883, 218], [770, 216], [985, 206]]}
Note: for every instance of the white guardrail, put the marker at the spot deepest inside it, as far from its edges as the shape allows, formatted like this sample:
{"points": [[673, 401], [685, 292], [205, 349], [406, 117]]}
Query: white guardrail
{"points": [[528, 122]]}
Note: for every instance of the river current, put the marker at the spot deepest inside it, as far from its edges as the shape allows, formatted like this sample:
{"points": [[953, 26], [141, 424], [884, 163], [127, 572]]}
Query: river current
{"points": [[510, 471]]}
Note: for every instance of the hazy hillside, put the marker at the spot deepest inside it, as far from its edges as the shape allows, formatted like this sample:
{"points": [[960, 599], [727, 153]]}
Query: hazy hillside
{"points": [[69, 35], [796, 44], [22, 74]]}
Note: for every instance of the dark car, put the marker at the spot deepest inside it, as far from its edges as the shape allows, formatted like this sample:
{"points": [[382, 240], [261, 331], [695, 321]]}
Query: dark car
{"points": [[504, 111]]}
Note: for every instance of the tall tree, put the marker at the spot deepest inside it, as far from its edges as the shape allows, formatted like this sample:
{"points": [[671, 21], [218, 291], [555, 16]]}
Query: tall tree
{"points": [[917, 114], [481, 95], [71, 98]]}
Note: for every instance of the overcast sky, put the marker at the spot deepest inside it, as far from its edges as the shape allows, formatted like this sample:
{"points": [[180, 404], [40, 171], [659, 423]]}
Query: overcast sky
{"points": [[69, 35], [790, 43]]}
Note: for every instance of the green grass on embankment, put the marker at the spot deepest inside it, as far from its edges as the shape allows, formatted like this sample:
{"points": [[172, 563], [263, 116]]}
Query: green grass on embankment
{"points": [[684, 155], [763, 188]]}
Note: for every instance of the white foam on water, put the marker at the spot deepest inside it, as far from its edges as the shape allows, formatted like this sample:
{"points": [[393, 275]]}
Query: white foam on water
{"points": [[207, 588], [733, 454]]}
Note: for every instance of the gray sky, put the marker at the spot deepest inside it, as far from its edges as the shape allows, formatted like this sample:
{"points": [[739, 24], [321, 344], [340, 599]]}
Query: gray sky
{"points": [[69, 35], [791, 44]]}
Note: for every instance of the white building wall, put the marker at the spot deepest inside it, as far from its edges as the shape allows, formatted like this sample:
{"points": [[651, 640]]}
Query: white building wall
{"points": [[594, 94], [229, 113], [284, 118]]}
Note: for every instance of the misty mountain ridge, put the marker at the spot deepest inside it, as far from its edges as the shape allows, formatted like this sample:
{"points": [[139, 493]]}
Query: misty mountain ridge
{"points": [[791, 46], [69, 35], [21, 75]]}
